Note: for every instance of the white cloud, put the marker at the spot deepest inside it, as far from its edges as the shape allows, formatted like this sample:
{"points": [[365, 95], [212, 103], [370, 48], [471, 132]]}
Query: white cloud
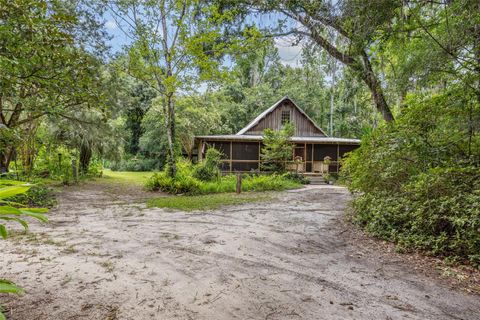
{"points": [[289, 53], [111, 25]]}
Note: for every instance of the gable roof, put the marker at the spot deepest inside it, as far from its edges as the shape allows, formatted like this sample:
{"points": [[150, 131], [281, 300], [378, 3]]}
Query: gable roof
{"points": [[262, 115]]}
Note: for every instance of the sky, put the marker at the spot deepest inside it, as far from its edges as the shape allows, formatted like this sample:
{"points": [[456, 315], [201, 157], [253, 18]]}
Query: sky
{"points": [[288, 53]]}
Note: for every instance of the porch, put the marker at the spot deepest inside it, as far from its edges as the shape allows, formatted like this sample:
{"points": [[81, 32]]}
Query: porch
{"points": [[314, 157]]}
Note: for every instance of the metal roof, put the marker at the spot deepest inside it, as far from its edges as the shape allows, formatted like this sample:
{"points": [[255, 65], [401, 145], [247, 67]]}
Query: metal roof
{"points": [[237, 137], [262, 115]]}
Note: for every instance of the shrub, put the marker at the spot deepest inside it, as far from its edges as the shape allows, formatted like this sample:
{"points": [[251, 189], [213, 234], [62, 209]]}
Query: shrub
{"points": [[178, 185], [37, 196], [299, 178], [268, 182], [277, 149], [95, 168], [185, 182], [438, 220], [208, 170], [417, 182]]}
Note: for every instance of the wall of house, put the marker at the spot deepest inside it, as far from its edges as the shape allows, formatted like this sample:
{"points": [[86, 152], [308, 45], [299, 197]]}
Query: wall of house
{"points": [[303, 126]]}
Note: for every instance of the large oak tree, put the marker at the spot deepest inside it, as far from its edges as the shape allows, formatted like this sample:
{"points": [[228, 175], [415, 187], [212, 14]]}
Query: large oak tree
{"points": [[46, 70]]}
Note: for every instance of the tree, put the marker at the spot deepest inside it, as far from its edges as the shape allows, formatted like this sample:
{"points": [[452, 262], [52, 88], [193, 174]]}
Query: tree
{"points": [[44, 70], [131, 99], [174, 44], [277, 150], [344, 29], [196, 117], [90, 134]]}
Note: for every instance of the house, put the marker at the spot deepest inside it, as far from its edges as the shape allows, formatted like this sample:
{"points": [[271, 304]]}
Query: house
{"points": [[241, 151]]}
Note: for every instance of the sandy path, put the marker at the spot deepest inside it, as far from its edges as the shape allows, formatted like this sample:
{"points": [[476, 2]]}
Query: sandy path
{"points": [[104, 256]]}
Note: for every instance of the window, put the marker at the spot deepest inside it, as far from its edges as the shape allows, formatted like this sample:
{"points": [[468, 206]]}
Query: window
{"points": [[285, 116], [245, 150]]}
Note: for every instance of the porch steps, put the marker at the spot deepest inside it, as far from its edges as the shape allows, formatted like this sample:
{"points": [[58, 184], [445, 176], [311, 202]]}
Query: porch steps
{"points": [[315, 179]]}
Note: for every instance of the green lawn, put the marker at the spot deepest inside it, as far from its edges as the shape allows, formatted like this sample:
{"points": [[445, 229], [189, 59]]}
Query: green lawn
{"points": [[206, 202], [126, 177]]}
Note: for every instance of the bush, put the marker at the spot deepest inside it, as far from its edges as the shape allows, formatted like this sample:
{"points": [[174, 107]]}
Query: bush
{"points": [[268, 182], [178, 185], [277, 149], [185, 182], [299, 178], [443, 220], [37, 196], [208, 170], [417, 182], [95, 168]]}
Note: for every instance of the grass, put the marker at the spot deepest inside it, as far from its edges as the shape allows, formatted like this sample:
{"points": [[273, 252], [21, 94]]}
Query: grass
{"points": [[206, 202], [126, 177]]}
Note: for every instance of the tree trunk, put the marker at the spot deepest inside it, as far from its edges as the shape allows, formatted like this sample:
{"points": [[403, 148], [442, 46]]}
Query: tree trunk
{"points": [[363, 67], [85, 157], [3, 162], [373, 84], [170, 114]]}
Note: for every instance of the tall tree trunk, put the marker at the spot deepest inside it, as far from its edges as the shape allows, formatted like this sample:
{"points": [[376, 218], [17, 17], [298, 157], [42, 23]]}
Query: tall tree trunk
{"points": [[376, 90], [85, 157], [170, 114]]}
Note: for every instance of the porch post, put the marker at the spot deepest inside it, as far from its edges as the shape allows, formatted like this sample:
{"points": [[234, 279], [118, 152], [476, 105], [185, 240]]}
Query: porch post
{"points": [[231, 156], [338, 156], [304, 157], [200, 151]]}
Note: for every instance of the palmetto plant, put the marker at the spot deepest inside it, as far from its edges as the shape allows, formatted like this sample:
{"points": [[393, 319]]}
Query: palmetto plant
{"points": [[14, 212]]}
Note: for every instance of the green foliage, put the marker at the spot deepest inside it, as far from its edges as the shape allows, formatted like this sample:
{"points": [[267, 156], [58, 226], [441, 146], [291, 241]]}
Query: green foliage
{"points": [[277, 149], [276, 182], [9, 287], [296, 177], [205, 202], [37, 195], [186, 183], [9, 210], [183, 182], [136, 164], [14, 212], [418, 181], [170, 64], [208, 169], [46, 71]]}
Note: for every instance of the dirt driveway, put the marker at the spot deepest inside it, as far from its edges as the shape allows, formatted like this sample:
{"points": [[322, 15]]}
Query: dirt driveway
{"points": [[105, 256]]}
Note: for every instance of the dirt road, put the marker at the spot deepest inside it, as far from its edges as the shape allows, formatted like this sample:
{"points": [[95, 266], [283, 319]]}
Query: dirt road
{"points": [[106, 256]]}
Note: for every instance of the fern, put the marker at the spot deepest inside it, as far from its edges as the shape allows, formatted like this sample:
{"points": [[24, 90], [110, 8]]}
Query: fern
{"points": [[10, 212]]}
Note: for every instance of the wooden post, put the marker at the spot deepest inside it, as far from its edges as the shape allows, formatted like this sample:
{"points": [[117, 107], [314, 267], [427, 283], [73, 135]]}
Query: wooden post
{"points": [[60, 163], [239, 182], [74, 170]]}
